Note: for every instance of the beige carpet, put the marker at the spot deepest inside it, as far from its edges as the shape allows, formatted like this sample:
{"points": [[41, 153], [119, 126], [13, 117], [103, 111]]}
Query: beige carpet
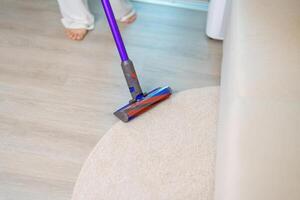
{"points": [[167, 153]]}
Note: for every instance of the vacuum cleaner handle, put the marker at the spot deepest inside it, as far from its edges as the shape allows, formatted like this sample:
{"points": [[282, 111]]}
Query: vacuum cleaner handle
{"points": [[127, 66]]}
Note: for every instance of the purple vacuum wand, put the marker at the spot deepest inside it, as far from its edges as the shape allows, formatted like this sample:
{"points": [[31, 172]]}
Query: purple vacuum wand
{"points": [[127, 65], [115, 30], [140, 102]]}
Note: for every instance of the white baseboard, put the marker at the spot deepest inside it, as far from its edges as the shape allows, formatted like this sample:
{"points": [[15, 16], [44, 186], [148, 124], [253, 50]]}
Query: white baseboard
{"points": [[188, 4]]}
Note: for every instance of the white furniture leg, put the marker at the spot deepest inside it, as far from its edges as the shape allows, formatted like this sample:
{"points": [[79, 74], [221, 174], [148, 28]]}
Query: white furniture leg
{"points": [[216, 19]]}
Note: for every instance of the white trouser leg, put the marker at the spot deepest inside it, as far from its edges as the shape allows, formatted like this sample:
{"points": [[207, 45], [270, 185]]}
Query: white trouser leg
{"points": [[121, 8], [76, 14]]}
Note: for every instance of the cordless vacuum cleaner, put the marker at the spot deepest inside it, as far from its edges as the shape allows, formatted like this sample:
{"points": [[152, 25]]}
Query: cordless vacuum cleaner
{"points": [[140, 102]]}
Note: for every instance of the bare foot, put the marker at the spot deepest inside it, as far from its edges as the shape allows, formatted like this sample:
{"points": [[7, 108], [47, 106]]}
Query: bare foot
{"points": [[76, 34], [130, 19]]}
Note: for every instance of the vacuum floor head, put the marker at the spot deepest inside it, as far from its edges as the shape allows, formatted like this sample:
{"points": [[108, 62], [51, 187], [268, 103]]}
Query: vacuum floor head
{"points": [[133, 109]]}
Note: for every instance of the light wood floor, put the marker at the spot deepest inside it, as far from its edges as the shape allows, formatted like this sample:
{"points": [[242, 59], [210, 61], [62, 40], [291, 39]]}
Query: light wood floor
{"points": [[57, 96]]}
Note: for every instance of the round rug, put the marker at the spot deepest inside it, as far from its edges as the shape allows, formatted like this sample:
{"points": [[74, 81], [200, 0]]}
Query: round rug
{"points": [[166, 153]]}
